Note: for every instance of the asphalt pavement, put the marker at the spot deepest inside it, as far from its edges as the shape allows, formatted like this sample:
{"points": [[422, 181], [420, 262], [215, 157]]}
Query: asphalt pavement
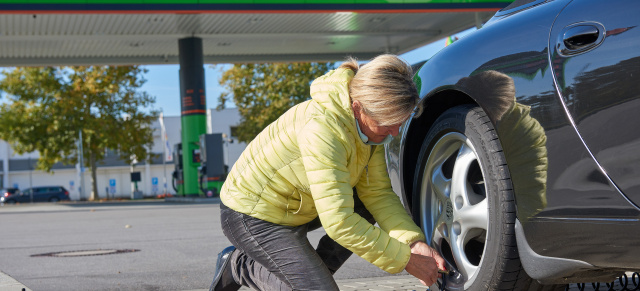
{"points": [[129, 245], [137, 245]]}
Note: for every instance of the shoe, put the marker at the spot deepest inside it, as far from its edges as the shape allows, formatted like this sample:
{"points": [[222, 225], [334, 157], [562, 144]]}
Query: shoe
{"points": [[223, 279]]}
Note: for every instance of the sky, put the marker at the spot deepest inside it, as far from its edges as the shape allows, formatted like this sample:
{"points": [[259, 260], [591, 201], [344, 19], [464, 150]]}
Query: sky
{"points": [[163, 81]]}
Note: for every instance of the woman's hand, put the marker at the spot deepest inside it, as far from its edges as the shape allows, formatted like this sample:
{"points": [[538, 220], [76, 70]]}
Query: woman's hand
{"points": [[424, 263]]}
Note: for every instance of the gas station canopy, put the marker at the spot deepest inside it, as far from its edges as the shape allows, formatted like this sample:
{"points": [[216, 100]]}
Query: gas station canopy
{"points": [[87, 32]]}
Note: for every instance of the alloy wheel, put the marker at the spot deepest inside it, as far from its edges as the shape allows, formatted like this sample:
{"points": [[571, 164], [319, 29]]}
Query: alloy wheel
{"points": [[454, 205]]}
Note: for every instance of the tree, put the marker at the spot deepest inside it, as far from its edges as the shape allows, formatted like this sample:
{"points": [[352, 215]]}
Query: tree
{"points": [[263, 92], [48, 107]]}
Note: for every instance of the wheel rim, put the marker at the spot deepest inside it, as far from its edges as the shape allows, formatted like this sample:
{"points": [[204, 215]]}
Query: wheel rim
{"points": [[454, 206]]}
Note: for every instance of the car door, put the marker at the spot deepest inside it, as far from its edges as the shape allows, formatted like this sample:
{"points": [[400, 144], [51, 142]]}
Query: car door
{"points": [[24, 196], [596, 65], [55, 192], [40, 194]]}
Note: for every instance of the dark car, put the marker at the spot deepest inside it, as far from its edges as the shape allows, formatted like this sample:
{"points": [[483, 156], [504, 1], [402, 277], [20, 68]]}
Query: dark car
{"points": [[5, 192], [524, 168], [37, 194]]}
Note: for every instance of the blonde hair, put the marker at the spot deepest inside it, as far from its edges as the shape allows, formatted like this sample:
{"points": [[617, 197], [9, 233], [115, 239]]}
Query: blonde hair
{"points": [[496, 88], [385, 88]]}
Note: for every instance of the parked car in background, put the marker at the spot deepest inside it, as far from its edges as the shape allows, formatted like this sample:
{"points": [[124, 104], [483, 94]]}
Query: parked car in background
{"points": [[4, 192], [523, 170], [37, 194]]}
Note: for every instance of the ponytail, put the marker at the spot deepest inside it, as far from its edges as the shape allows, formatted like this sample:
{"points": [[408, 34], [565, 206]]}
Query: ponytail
{"points": [[350, 63]]}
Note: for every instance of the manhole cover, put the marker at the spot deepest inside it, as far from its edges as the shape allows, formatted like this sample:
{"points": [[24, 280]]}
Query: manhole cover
{"points": [[84, 253]]}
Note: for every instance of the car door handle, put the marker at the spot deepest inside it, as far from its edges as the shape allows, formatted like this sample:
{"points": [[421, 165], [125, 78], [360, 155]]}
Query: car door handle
{"points": [[579, 38]]}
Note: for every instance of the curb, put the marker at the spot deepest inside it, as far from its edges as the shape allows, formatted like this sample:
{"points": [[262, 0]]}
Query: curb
{"points": [[386, 283], [402, 282], [9, 284], [192, 200]]}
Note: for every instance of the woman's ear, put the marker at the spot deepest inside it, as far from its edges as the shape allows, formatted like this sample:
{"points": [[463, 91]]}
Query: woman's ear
{"points": [[355, 106]]}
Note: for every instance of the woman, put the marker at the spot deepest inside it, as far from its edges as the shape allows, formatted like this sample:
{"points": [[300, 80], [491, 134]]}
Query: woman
{"points": [[322, 163]]}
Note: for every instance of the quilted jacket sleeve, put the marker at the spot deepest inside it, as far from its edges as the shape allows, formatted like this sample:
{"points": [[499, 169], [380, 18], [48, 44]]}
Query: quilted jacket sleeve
{"points": [[325, 153], [374, 189]]}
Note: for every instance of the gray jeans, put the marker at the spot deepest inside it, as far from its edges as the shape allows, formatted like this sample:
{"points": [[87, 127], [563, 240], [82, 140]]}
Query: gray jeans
{"points": [[276, 257]]}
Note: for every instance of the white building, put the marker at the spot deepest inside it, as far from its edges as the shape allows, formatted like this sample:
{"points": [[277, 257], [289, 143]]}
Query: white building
{"points": [[113, 175]]}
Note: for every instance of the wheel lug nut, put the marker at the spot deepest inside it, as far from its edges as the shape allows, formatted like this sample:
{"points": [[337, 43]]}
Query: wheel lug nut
{"points": [[459, 202]]}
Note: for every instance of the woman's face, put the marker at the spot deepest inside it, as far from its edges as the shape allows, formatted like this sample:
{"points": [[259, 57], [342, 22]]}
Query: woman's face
{"points": [[370, 127]]}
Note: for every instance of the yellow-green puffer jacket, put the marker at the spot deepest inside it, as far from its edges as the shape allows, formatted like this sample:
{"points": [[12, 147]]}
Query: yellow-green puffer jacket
{"points": [[305, 165]]}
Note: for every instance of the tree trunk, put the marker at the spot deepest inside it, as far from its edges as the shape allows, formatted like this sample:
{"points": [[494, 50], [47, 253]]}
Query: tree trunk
{"points": [[94, 176]]}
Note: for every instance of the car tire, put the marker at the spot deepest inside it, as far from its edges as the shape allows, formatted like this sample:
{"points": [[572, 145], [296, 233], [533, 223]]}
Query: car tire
{"points": [[464, 202], [54, 199], [11, 201]]}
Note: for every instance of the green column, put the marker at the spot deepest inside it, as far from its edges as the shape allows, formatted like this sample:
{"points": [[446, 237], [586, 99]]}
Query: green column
{"points": [[193, 104]]}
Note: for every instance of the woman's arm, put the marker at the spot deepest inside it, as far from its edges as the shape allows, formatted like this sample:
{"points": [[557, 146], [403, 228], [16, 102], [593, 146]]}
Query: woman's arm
{"points": [[374, 189], [325, 151]]}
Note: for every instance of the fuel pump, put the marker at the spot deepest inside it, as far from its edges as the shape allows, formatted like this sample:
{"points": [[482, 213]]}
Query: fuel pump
{"points": [[178, 172], [211, 172]]}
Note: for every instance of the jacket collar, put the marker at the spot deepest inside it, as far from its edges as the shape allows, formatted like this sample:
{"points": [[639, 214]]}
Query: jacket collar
{"points": [[331, 91]]}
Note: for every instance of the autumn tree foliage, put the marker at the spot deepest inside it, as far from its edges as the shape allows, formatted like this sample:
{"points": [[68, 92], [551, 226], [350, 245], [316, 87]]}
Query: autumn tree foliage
{"points": [[46, 108], [263, 92]]}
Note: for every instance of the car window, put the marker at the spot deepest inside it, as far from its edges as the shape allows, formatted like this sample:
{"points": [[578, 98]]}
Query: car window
{"points": [[517, 3]]}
